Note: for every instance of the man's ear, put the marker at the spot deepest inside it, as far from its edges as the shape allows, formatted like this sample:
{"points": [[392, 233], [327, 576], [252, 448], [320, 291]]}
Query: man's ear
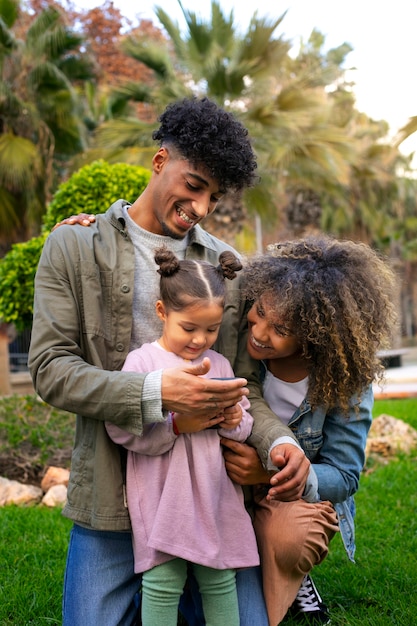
{"points": [[159, 159], [160, 310]]}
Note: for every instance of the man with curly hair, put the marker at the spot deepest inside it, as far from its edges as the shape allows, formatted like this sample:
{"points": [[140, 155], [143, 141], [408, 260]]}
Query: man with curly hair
{"points": [[95, 291]]}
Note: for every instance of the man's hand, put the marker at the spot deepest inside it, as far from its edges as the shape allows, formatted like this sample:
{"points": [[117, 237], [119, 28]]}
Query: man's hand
{"points": [[289, 482], [243, 464], [84, 219], [184, 391]]}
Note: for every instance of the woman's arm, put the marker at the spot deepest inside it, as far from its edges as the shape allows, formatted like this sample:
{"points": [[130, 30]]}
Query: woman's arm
{"points": [[340, 460]]}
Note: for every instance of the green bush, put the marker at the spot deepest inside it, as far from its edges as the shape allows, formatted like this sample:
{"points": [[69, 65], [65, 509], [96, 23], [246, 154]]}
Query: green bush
{"points": [[90, 190], [17, 272], [94, 188]]}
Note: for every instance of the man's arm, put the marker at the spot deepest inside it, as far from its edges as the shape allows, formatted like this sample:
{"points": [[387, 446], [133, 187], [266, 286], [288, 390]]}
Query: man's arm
{"points": [[272, 443], [74, 358], [68, 370]]}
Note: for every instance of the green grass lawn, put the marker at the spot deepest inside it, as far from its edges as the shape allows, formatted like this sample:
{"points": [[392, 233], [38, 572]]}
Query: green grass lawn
{"points": [[378, 590]]}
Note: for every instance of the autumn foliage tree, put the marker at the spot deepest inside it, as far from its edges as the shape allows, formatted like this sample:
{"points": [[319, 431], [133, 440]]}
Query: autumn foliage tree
{"points": [[104, 29]]}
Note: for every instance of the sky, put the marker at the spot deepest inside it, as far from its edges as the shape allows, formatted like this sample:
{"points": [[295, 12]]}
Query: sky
{"points": [[382, 35]]}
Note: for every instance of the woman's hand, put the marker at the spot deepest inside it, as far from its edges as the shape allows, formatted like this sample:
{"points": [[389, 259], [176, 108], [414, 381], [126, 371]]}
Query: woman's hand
{"points": [[84, 219], [244, 467]]}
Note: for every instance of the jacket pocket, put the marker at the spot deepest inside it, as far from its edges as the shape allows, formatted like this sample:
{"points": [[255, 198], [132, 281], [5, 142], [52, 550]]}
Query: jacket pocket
{"points": [[95, 287]]}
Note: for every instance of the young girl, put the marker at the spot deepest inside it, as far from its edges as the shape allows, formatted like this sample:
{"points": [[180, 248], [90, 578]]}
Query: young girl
{"points": [[321, 310], [182, 505]]}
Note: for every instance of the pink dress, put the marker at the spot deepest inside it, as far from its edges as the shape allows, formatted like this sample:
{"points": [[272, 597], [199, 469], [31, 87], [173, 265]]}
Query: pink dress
{"points": [[181, 501]]}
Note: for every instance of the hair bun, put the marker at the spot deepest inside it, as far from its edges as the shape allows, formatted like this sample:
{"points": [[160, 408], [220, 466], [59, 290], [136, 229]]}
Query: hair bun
{"points": [[229, 264], [167, 261]]}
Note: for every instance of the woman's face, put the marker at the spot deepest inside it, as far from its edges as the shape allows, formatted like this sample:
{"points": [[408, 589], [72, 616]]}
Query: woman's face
{"points": [[268, 337]]}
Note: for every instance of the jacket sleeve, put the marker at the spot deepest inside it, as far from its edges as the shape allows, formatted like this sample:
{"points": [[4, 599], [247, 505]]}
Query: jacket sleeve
{"points": [[267, 428], [75, 351], [340, 460]]}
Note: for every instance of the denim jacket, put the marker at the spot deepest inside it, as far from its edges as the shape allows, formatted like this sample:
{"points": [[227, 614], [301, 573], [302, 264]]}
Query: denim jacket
{"points": [[335, 446]]}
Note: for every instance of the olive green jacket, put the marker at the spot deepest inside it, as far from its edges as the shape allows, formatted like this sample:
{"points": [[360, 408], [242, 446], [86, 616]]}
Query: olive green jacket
{"points": [[80, 339]]}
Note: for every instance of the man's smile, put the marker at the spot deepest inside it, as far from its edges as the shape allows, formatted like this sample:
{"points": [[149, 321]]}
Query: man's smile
{"points": [[184, 216]]}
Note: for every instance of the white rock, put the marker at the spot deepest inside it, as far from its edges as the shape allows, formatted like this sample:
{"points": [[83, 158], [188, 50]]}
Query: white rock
{"points": [[13, 492], [55, 496]]}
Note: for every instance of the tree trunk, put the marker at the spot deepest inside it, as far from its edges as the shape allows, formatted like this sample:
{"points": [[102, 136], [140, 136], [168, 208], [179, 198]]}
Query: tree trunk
{"points": [[5, 387]]}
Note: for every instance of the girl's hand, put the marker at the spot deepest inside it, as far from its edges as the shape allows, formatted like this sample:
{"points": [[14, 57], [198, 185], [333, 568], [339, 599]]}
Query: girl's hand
{"points": [[232, 417], [193, 424]]}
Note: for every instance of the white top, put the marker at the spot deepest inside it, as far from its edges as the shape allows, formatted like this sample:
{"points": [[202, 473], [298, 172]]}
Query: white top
{"points": [[284, 398]]}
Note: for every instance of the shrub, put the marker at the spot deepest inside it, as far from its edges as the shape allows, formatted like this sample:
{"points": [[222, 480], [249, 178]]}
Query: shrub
{"points": [[17, 272], [90, 190], [94, 188]]}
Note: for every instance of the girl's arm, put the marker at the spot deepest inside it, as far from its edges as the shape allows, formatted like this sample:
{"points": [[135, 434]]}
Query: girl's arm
{"points": [[157, 438]]}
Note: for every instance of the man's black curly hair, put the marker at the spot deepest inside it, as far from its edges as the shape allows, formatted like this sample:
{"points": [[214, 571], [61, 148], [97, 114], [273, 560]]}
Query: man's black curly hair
{"points": [[205, 134]]}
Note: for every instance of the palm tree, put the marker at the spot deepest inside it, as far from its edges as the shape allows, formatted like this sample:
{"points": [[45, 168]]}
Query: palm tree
{"points": [[322, 164], [40, 124], [252, 74]]}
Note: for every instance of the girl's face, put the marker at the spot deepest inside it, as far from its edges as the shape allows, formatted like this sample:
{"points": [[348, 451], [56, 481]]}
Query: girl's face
{"points": [[188, 333], [268, 337]]}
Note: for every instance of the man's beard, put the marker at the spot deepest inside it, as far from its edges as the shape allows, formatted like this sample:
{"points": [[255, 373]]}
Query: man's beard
{"points": [[167, 232]]}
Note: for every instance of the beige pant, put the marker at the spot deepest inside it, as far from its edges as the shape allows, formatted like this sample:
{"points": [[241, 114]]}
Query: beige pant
{"points": [[292, 538]]}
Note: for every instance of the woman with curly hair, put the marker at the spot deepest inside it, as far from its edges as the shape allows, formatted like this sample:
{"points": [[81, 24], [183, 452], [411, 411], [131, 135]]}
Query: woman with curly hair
{"points": [[321, 309]]}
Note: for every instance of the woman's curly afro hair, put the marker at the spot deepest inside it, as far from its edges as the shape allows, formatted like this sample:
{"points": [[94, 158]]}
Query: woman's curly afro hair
{"points": [[338, 298], [207, 135]]}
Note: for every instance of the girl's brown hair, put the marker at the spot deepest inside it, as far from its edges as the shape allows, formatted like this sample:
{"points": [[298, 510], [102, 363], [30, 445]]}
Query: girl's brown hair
{"points": [[186, 282]]}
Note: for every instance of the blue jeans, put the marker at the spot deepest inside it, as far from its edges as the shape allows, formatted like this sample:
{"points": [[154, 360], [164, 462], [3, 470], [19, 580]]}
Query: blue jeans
{"points": [[100, 584], [101, 587]]}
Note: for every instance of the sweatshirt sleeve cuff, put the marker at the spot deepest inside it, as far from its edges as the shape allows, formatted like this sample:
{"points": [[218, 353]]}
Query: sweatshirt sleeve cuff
{"points": [[152, 399]]}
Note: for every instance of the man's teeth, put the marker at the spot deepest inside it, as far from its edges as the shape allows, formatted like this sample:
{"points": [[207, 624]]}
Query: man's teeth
{"points": [[184, 216]]}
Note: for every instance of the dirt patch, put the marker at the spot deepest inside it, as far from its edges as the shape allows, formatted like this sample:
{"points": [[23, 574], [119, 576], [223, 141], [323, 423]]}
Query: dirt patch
{"points": [[33, 436], [24, 466]]}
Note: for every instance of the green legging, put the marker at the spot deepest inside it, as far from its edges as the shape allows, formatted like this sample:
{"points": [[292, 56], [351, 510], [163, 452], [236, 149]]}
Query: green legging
{"points": [[163, 585]]}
